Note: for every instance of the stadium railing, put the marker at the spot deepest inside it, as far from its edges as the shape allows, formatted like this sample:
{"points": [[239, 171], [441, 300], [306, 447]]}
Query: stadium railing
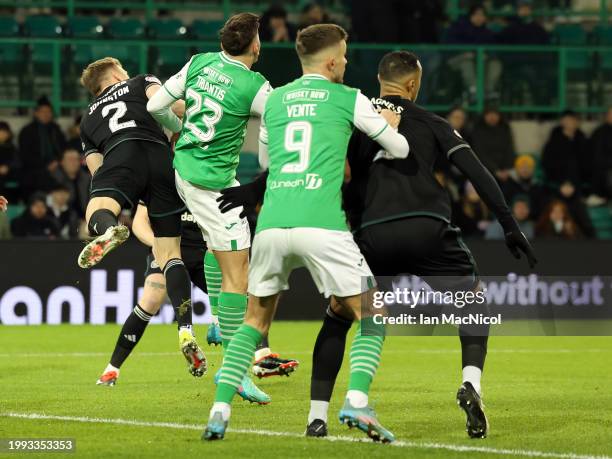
{"points": [[524, 79]]}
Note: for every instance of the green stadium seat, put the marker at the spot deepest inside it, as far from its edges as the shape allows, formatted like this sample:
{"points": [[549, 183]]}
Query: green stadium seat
{"points": [[15, 210], [168, 57], [9, 27], [602, 221], [42, 26], [167, 29], [206, 30], [603, 35], [85, 27], [574, 35], [126, 28]]}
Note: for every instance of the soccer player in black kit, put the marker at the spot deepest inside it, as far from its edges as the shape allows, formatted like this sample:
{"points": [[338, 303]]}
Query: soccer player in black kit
{"points": [[400, 216], [130, 159]]}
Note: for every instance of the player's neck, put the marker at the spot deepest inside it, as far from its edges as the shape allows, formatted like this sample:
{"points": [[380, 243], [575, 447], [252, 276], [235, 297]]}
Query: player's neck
{"points": [[317, 71], [105, 85], [244, 59], [390, 89]]}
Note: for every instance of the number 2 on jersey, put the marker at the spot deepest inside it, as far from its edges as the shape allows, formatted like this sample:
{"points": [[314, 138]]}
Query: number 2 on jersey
{"points": [[209, 120], [120, 110], [298, 137]]}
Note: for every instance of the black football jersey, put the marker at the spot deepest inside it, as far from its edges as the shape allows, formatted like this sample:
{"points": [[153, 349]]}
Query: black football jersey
{"points": [[120, 114], [386, 190]]}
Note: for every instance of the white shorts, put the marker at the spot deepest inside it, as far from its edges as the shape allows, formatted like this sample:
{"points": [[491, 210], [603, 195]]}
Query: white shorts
{"points": [[335, 263], [223, 232]]}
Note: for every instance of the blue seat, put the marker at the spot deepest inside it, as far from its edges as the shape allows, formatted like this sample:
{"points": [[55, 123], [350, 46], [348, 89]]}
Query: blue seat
{"points": [[206, 30], [85, 27], [166, 29], [126, 28]]}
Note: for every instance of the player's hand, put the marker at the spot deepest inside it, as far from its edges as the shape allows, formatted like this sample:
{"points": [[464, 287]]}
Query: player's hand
{"points": [[517, 243], [391, 117], [245, 196], [3, 204]]}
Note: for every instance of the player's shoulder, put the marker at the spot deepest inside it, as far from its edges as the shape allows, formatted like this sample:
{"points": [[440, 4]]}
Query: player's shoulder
{"points": [[143, 80]]}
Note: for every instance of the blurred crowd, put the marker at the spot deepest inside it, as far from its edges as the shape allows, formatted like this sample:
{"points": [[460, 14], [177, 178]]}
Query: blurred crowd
{"points": [[549, 192]]}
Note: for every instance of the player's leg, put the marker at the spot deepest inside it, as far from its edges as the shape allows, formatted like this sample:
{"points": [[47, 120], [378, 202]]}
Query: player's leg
{"points": [[113, 187], [165, 207], [268, 363], [135, 325], [268, 275], [327, 359], [338, 268], [212, 272]]}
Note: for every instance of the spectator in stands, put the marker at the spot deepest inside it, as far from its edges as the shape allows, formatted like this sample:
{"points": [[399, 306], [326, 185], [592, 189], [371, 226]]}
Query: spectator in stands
{"points": [[458, 119], [556, 222], [74, 135], [312, 14], [472, 215], [522, 29], [40, 145], [66, 219], [522, 182], [521, 212], [601, 146], [34, 222], [492, 141], [8, 156], [472, 30], [275, 26], [71, 175], [565, 157], [5, 229]]}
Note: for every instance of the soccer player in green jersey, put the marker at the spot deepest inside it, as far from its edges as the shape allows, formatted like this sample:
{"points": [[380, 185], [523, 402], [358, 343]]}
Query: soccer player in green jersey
{"points": [[221, 93], [304, 136]]}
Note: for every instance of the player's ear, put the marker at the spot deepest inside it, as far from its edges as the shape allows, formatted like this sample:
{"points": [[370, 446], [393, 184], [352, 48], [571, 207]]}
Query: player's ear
{"points": [[378, 78]]}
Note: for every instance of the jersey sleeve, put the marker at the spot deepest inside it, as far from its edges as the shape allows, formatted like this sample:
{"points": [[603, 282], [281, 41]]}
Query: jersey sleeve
{"points": [[371, 123], [264, 159], [448, 139], [150, 80], [87, 145], [175, 85], [259, 102]]}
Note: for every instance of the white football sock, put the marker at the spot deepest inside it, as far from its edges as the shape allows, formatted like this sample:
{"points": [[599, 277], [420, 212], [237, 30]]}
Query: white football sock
{"points": [[472, 375], [109, 367], [357, 398], [318, 410], [224, 408], [187, 327], [262, 353]]}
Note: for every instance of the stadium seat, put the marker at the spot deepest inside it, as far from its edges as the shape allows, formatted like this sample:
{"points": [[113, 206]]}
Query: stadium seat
{"points": [[9, 27], [85, 27], [166, 29], [602, 221], [206, 30], [10, 54], [42, 26], [126, 28], [574, 35], [15, 210]]}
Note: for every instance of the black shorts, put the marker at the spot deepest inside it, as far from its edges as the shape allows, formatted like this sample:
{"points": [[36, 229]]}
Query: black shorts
{"points": [[193, 257], [142, 170], [423, 246]]}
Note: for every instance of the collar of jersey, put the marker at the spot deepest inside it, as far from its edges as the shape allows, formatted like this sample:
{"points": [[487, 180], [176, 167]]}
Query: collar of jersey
{"points": [[229, 60], [316, 76]]}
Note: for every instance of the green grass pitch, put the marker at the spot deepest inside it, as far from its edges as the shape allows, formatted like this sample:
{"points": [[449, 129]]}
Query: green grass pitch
{"points": [[545, 397]]}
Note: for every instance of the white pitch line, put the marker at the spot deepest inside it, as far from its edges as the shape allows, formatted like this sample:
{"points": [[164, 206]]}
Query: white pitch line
{"points": [[291, 353], [331, 438]]}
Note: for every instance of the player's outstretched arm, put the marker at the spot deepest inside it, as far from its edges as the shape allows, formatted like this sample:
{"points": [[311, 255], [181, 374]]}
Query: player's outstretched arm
{"points": [[141, 226], [162, 98], [489, 191], [370, 122]]}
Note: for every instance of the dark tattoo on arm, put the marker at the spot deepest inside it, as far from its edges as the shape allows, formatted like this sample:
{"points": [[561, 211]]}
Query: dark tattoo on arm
{"points": [[157, 285]]}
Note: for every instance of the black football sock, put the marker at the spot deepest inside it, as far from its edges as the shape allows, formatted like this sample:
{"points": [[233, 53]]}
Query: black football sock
{"points": [[264, 343], [133, 329], [178, 286], [327, 355], [473, 350], [100, 221]]}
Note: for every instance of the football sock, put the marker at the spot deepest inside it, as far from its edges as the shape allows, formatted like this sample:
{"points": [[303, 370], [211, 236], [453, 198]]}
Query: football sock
{"points": [[212, 274], [224, 408], [100, 221], [318, 410], [327, 355], [473, 350], [472, 375], [237, 359], [111, 367], [131, 332], [178, 286], [232, 307], [365, 358], [357, 398], [263, 349]]}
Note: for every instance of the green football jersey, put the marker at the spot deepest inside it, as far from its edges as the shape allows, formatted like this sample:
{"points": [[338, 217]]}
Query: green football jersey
{"points": [[309, 123], [220, 95]]}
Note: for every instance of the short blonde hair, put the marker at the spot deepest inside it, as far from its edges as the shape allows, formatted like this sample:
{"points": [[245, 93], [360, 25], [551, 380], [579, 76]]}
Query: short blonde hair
{"points": [[94, 73]]}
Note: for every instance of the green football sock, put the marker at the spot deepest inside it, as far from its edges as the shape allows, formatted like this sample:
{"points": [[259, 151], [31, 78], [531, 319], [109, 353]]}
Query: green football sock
{"points": [[365, 354], [232, 307], [237, 360], [212, 274]]}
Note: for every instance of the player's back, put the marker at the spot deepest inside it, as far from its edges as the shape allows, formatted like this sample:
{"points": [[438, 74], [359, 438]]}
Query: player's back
{"points": [[219, 94], [118, 114], [309, 123]]}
